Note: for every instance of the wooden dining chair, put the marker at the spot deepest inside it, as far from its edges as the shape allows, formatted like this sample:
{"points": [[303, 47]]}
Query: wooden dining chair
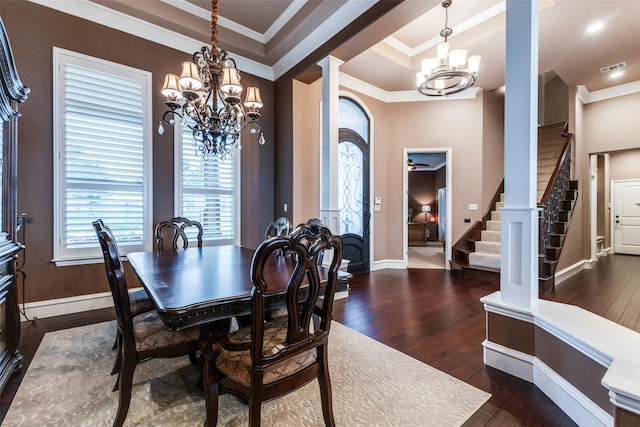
{"points": [[139, 303], [142, 337], [271, 358], [175, 231], [279, 227]]}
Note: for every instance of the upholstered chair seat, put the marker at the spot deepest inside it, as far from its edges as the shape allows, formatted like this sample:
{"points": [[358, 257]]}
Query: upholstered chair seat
{"points": [[152, 334], [140, 302], [237, 364]]}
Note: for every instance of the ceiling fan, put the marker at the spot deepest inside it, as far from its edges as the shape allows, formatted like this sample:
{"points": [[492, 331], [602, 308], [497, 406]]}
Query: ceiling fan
{"points": [[411, 166]]}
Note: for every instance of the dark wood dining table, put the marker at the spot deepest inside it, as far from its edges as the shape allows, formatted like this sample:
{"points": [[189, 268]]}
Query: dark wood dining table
{"points": [[197, 286]]}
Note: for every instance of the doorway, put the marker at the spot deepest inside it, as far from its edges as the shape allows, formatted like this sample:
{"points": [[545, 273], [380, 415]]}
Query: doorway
{"points": [[427, 203], [353, 199], [626, 216]]}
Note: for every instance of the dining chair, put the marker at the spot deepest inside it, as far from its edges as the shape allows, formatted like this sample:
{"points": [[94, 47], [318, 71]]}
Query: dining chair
{"points": [[271, 358], [279, 227], [175, 231], [141, 337], [139, 303]]}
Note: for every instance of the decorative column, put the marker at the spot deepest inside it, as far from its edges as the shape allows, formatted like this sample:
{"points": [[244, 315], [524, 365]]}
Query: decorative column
{"points": [[329, 212], [519, 227]]}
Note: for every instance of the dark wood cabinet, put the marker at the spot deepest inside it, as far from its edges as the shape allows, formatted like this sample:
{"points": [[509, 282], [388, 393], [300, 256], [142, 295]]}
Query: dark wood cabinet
{"points": [[12, 92], [417, 233], [432, 228]]}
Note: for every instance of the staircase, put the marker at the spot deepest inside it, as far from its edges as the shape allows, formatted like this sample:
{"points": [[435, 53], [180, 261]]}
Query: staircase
{"points": [[479, 248]]}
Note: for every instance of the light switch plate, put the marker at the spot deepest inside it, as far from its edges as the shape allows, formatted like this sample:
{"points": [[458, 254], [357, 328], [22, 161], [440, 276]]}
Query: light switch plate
{"points": [[376, 208], [378, 201], [473, 206]]}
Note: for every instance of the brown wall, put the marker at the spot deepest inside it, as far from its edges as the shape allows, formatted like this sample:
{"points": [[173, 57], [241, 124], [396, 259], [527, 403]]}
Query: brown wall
{"points": [[33, 31], [422, 191]]}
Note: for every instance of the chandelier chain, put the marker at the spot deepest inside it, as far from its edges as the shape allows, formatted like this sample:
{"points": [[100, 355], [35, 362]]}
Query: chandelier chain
{"points": [[214, 24]]}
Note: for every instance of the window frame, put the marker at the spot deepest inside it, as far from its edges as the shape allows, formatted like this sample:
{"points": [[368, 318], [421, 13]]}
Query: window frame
{"points": [[178, 188], [91, 253]]}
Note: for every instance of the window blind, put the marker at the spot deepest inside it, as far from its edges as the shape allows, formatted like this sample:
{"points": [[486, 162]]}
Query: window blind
{"points": [[101, 156], [208, 192]]}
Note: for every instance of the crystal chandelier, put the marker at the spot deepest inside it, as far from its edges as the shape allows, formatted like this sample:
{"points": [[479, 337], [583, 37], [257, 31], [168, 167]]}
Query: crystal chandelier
{"points": [[446, 74], [206, 99]]}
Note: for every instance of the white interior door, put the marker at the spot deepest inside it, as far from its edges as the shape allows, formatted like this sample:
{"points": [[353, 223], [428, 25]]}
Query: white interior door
{"points": [[626, 217]]}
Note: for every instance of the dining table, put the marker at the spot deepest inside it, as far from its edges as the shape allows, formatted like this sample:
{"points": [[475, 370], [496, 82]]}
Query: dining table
{"points": [[200, 285]]}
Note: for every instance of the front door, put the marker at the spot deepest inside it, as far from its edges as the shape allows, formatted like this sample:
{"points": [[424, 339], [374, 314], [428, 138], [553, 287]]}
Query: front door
{"points": [[626, 217], [353, 199]]}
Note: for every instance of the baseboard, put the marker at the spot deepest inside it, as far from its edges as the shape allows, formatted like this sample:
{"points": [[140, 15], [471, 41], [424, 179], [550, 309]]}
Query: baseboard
{"points": [[62, 306], [529, 368], [395, 264], [568, 398], [508, 360], [572, 270]]}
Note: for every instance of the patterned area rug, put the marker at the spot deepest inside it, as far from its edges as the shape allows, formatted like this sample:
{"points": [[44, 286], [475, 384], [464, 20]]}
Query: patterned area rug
{"points": [[68, 384]]}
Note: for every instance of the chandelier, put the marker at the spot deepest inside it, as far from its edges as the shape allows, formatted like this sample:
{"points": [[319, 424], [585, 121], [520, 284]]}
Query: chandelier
{"points": [[206, 99], [446, 74]]}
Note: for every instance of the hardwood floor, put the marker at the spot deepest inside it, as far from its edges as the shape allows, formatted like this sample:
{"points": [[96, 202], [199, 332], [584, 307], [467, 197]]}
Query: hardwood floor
{"points": [[435, 316]]}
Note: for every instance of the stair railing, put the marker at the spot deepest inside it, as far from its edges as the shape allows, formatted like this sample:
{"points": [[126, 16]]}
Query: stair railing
{"points": [[554, 194]]}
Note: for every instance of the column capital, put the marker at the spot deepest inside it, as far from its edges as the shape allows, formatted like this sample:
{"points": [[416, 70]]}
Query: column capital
{"points": [[329, 61]]}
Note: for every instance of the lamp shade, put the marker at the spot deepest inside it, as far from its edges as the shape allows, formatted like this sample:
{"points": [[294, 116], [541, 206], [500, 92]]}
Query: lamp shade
{"points": [[426, 208], [190, 77], [170, 88], [230, 84], [253, 99]]}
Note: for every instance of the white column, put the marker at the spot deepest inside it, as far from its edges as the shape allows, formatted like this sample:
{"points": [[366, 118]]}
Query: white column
{"points": [[519, 254], [329, 213]]}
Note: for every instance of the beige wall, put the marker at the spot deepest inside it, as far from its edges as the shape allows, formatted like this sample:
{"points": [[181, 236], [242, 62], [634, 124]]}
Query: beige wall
{"points": [[609, 126], [457, 124], [306, 150], [624, 164], [492, 144]]}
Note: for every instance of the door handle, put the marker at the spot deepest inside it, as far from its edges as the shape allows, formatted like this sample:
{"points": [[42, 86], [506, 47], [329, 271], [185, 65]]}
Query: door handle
{"points": [[367, 218]]}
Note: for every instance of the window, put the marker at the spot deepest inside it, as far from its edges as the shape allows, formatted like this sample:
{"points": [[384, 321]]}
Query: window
{"points": [[353, 158], [207, 191], [102, 160]]}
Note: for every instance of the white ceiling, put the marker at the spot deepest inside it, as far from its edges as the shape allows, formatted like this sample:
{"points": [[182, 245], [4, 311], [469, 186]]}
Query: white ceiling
{"points": [[271, 36]]}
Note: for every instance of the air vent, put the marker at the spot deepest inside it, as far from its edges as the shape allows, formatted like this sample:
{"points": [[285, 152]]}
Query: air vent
{"points": [[613, 67]]}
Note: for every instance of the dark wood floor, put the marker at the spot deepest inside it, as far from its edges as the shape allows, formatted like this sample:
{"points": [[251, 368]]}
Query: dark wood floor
{"points": [[435, 316]]}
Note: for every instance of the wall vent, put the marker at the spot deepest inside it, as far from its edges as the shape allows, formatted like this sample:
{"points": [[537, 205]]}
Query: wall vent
{"points": [[613, 67]]}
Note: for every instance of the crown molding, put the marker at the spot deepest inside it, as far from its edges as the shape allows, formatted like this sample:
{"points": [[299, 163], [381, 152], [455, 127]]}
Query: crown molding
{"points": [[603, 94], [400, 96], [137, 27], [329, 28]]}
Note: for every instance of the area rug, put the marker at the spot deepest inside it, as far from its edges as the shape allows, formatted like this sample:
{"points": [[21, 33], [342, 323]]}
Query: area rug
{"points": [[68, 384]]}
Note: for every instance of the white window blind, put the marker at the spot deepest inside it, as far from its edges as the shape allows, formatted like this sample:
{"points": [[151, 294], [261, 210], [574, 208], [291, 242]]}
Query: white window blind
{"points": [[207, 191], [103, 155], [1, 174]]}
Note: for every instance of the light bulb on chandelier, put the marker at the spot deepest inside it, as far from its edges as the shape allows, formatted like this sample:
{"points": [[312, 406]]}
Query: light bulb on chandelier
{"points": [[206, 98], [446, 74]]}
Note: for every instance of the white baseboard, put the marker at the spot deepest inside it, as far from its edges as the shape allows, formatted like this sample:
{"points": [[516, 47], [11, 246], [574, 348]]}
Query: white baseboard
{"points": [[61, 306], [396, 264], [574, 403], [508, 360], [529, 368], [572, 270]]}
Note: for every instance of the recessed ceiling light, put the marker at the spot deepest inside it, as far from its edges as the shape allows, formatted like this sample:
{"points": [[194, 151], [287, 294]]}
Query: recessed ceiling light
{"points": [[595, 27], [616, 74]]}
